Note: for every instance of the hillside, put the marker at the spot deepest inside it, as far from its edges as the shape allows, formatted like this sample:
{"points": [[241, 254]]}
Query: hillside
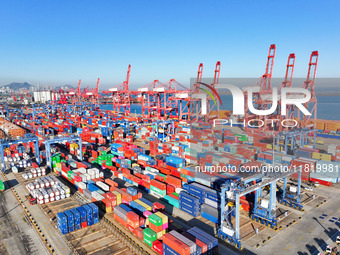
{"points": [[18, 85]]}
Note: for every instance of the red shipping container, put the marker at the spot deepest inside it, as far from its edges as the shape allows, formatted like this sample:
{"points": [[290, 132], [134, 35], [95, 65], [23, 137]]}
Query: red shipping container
{"points": [[322, 182], [158, 246], [110, 196], [170, 189], [111, 183], [155, 228], [130, 228], [132, 219], [139, 232], [164, 170], [199, 243], [83, 224], [126, 197], [176, 173], [173, 196], [158, 184], [106, 203], [141, 221], [176, 244], [119, 219], [94, 154], [77, 178], [159, 178], [157, 206], [176, 182]]}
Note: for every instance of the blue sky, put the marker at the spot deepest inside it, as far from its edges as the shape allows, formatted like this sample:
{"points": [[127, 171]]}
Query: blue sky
{"points": [[58, 42]]}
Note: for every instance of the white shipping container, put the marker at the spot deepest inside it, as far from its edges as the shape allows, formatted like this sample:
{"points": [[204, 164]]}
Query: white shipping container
{"points": [[82, 185], [97, 196]]}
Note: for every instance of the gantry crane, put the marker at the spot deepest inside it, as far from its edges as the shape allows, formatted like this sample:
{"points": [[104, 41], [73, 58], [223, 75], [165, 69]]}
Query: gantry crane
{"points": [[150, 98], [173, 99], [121, 95], [28, 138], [195, 97], [93, 94], [309, 84], [75, 94], [262, 98], [287, 83], [62, 97]]}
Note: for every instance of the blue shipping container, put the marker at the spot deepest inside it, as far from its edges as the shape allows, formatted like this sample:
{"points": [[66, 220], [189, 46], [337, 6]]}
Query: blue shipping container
{"points": [[82, 212], [144, 200], [70, 220]]}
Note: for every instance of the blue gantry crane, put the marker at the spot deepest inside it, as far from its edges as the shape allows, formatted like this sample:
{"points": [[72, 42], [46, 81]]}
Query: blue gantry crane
{"points": [[40, 109], [265, 208], [297, 137], [292, 196], [72, 138], [26, 139], [231, 191]]}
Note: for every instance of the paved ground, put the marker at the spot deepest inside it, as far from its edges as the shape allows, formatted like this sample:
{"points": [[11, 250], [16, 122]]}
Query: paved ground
{"points": [[312, 232], [16, 234], [52, 234]]}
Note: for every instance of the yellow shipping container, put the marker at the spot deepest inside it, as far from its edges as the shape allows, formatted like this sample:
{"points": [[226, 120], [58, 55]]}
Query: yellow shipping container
{"points": [[316, 155], [160, 235], [326, 157], [163, 217], [144, 205], [118, 197]]}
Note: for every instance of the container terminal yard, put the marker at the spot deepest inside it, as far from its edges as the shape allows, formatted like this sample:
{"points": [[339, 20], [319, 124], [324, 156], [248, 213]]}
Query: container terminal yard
{"points": [[78, 179]]}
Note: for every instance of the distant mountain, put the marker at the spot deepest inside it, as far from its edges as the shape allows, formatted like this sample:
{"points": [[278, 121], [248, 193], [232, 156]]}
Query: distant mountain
{"points": [[65, 87], [17, 85]]}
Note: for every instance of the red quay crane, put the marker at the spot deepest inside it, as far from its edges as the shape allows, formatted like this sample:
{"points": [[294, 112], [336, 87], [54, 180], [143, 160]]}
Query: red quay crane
{"points": [[171, 98], [121, 95], [150, 98], [194, 100], [287, 83], [62, 99], [263, 98], [305, 120], [93, 94], [75, 94]]}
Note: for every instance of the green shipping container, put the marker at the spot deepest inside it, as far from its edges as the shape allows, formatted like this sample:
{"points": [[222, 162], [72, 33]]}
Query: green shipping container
{"points": [[156, 220], [175, 194], [157, 190], [184, 176], [148, 242], [2, 186], [172, 201], [163, 175], [149, 234]]}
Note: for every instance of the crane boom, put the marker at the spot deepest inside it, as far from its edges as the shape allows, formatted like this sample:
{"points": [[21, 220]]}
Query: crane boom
{"points": [[217, 72]]}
